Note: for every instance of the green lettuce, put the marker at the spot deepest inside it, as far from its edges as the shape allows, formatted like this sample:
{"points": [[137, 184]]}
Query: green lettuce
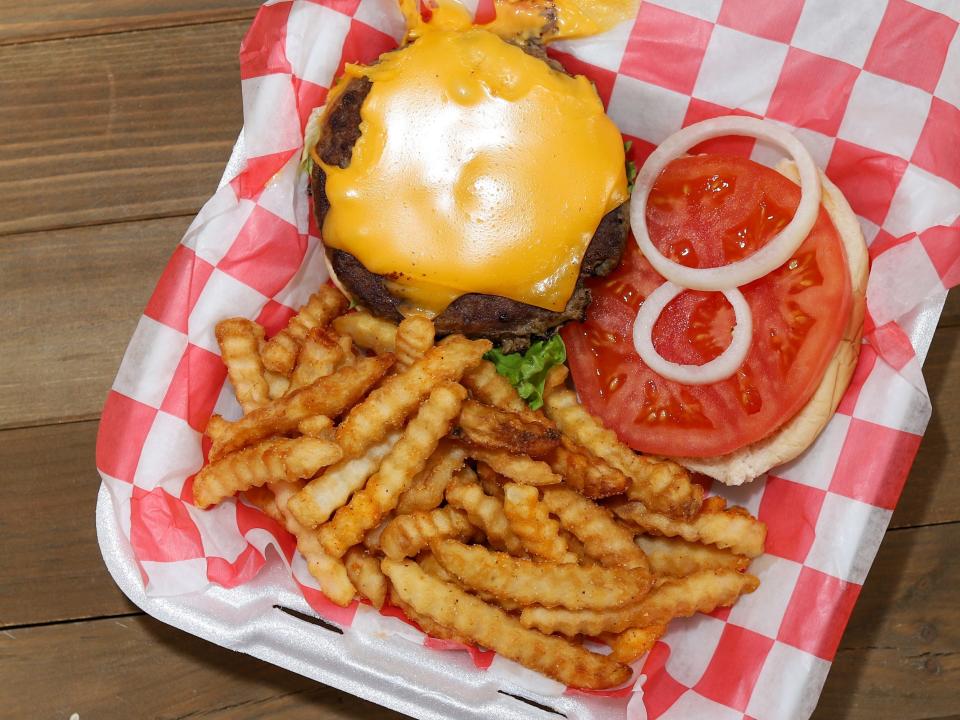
{"points": [[527, 371]]}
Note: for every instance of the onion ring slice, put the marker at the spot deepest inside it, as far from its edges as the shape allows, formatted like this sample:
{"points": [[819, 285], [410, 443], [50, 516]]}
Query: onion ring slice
{"points": [[720, 368], [768, 258]]}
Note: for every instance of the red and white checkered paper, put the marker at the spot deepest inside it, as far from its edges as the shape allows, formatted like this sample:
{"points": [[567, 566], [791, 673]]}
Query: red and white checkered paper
{"points": [[871, 87]]}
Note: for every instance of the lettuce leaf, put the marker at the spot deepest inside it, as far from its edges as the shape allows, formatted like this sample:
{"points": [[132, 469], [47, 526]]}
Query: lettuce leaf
{"points": [[527, 371]]}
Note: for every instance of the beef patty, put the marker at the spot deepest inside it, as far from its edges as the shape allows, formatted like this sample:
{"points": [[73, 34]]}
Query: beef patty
{"points": [[504, 321]]}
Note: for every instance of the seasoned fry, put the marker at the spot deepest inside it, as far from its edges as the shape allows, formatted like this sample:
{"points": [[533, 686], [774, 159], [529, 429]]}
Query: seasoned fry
{"points": [[485, 512], [543, 583], [491, 627], [367, 331], [278, 384], [364, 572], [408, 457], [490, 480], [371, 541], [603, 538], [239, 340], [426, 491], [734, 528], [662, 486], [428, 626], [217, 429], [673, 557], [429, 564], [703, 591], [530, 520], [521, 434], [329, 572], [586, 473], [320, 355], [280, 352], [633, 643], [518, 468], [270, 461], [323, 495], [327, 396], [389, 405], [414, 337], [556, 378], [490, 387], [318, 426], [406, 535]]}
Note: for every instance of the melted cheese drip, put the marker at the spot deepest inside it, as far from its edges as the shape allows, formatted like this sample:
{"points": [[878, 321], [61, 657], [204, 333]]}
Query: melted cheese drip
{"points": [[574, 18], [479, 169]]}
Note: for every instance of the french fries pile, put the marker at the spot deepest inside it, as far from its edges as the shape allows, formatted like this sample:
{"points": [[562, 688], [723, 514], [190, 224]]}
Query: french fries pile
{"points": [[411, 472]]}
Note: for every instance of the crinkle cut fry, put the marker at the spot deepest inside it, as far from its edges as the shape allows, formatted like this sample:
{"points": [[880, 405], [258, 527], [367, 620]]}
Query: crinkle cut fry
{"points": [[492, 628], [329, 396], [703, 591], [485, 512], [318, 426], [661, 485], [490, 427], [542, 583], [367, 331], [531, 522], [239, 340], [633, 643], [398, 396], [415, 336], [406, 535], [276, 460], [585, 472], [364, 572], [427, 626], [382, 492], [734, 528], [519, 468], [426, 491], [329, 572], [603, 538], [324, 495], [320, 355], [676, 557], [281, 351], [490, 387]]}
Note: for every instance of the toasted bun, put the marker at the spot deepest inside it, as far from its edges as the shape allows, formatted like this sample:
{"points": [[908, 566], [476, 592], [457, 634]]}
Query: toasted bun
{"points": [[799, 433]]}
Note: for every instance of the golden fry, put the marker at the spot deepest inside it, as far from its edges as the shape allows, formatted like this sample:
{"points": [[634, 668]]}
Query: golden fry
{"points": [[408, 457], [367, 331], [318, 426], [328, 396], [490, 480], [520, 434], [663, 486], [586, 473], [531, 522], [543, 583], [633, 643], [364, 572], [485, 512], [519, 468], [556, 379], [428, 626], [674, 557], [603, 538], [414, 337], [371, 541], [429, 564], [389, 405], [239, 340], [492, 628], [278, 384], [323, 495], [281, 351], [320, 355], [270, 461], [490, 387], [703, 591], [734, 528], [406, 535], [426, 491]]}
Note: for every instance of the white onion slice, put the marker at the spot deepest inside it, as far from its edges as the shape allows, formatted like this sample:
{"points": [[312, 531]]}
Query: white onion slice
{"points": [[768, 258], [720, 368]]}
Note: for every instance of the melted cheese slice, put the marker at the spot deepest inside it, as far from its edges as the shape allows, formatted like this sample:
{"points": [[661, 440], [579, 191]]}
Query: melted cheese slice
{"points": [[479, 169]]}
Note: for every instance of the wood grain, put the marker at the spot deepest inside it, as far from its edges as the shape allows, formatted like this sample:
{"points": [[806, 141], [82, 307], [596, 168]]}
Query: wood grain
{"points": [[72, 299], [46, 19], [950, 317], [139, 668], [117, 127], [50, 567]]}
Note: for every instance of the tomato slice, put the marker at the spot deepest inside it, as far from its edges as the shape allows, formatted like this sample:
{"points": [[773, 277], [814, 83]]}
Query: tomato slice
{"points": [[706, 211]]}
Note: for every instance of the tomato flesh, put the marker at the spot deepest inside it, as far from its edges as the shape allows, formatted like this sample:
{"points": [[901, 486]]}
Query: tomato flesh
{"points": [[707, 211]]}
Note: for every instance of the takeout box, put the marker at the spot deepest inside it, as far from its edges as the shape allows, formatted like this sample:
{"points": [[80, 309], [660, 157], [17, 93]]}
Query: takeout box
{"points": [[873, 93]]}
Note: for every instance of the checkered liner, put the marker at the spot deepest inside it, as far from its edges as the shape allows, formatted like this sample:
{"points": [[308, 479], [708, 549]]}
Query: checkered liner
{"points": [[871, 87]]}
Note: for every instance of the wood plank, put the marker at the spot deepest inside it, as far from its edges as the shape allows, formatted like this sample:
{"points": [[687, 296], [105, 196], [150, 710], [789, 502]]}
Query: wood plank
{"points": [[46, 19], [900, 656], [139, 668], [125, 126], [950, 317], [932, 494], [72, 299], [50, 567]]}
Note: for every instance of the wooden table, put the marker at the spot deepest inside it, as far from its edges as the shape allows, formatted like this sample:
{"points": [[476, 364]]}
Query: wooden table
{"points": [[116, 118]]}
